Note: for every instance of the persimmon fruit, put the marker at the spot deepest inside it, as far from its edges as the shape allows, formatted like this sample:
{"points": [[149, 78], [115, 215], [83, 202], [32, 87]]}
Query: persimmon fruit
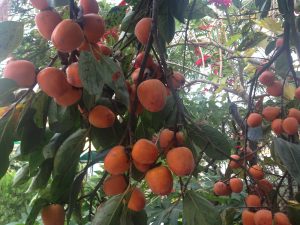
{"points": [[152, 95], [143, 29], [141, 167], [116, 161], [137, 200], [220, 188], [105, 50], [93, 27], [256, 172], [281, 219], [263, 217], [181, 161], [101, 117], [265, 185], [160, 180], [254, 120], [114, 185], [267, 78], [166, 137], [139, 60], [248, 217], [279, 42], [275, 89], [253, 201], [67, 36], [233, 164], [277, 126], [144, 152], [70, 97], [270, 113], [236, 185], [53, 215], [290, 125], [53, 82], [89, 6], [177, 79], [46, 21], [294, 113], [21, 71], [73, 77]]}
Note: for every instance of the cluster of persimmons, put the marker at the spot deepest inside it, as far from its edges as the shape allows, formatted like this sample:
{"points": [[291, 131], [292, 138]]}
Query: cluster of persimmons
{"points": [[149, 92]]}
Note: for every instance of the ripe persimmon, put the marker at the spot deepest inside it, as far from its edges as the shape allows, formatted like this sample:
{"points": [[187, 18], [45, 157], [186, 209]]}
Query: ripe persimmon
{"points": [[294, 113], [70, 97], [246, 153], [114, 185], [73, 77], [144, 152], [281, 219], [179, 138], [143, 29], [116, 161], [181, 161], [263, 217], [254, 120], [93, 27], [67, 36], [46, 21], [141, 167], [135, 75], [53, 215], [275, 89], [277, 126], [89, 6], [233, 164], [248, 217], [40, 4], [90, 47], [160, 180], [137, 200], [139, 59], [253, 201], [256, 172], [270, 113], [290, 125], [267, 78], [21, 71], [166, 137], [53, 82], [220, 188], [236, 185], [265, 185], [152, 95], [101, 117], [177, 79]]}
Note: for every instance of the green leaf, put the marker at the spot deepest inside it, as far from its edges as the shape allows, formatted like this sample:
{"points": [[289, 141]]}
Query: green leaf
{"points": [[166, 26], [139, 218], [94, 74], [177, 8], [22, 175], [289, 154], [50, 149], [7, 130], [110, 212], [217, 144], [251, 40], [62, 119], [11, 35], [104, 137], [227, 216], [282, 65], [199, 11], [7, 87], [237, 3], [115, 16], [293, 209], [65, 164], [38, 204], [270, 47], [265, 9], [127, 22], [40, 181], [57, 3], [40, 105], [197, 210]]}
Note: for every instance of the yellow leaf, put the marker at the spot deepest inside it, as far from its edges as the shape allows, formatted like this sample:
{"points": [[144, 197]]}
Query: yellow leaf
{"points": [[249, 52], [220, 88], [250, 69], [270, 24], [289, 91]]}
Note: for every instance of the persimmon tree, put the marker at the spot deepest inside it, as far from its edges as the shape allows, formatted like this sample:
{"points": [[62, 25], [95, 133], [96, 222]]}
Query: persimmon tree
{"points": [[189, 108]]}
